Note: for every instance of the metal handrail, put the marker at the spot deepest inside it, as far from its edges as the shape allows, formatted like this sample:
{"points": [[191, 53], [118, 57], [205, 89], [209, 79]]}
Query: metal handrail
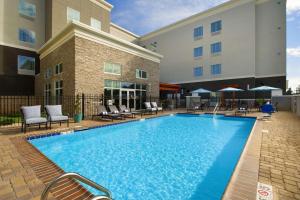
{"points": [[82, 179], [216, 108]]}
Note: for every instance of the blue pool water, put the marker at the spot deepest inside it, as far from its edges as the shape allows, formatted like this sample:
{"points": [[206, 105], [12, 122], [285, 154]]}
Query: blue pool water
{"points": [[182, 157]]}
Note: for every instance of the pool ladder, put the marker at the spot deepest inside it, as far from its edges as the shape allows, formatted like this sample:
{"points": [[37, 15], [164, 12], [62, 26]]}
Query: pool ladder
{"points": [[82, 179]]}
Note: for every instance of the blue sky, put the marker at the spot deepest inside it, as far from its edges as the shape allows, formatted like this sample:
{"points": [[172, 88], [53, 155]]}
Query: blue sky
{"points": [[144, 16]]}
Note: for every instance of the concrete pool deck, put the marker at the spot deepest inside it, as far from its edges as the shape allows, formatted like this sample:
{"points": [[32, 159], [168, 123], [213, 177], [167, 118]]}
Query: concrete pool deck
{"points": [[271, 156]]}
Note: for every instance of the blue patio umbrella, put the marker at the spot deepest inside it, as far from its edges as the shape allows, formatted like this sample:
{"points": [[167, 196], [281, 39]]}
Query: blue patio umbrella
{"points": [[201, 90], [264, 88]]}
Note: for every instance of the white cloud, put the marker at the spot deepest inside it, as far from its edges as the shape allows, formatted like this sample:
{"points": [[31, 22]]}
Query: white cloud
{"points": [[294, 52], [293, 6], [150, 15]]}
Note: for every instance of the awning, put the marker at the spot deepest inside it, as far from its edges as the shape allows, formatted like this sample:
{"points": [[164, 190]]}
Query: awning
{"points": [[169, 87]]}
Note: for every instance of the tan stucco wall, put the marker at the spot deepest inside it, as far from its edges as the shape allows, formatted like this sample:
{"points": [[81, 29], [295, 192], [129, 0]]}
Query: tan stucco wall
{"points": [[270, 38], [83, 62], [87, 10], [122, 34], [249, 36], [11, 21]]}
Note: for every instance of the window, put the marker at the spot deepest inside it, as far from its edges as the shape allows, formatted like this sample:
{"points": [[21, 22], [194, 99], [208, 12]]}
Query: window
{"points": [[48, 73], [59, 88], [141, 74], [26, 65], [112, 84], [26, 35], [27, 9], [73, 14], [216, 48], [95, 23], [198, 52], [48, 90], [112, 68], [59, 68], [198, 32], [216, 26], [216, 69], [198, 71]]}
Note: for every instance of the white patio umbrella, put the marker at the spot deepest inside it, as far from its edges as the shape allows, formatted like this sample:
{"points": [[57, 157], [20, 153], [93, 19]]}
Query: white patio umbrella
{"points": [[230, 89], [264, 88], [201, 90]]}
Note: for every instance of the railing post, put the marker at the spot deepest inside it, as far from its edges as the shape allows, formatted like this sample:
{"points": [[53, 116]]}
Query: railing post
{"points": [[82, 105]]}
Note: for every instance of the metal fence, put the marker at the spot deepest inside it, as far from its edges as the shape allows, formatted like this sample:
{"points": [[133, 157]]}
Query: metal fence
{"points": [[89, 105]]}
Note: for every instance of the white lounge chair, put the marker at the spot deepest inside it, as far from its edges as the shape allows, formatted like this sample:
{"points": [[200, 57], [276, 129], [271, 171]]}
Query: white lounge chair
{"points": [[31, 115], [154, 105], [54, 115]]}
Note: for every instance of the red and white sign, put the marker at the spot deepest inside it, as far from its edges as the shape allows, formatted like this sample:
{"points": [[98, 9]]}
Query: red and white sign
{"points": [[264, 192]]}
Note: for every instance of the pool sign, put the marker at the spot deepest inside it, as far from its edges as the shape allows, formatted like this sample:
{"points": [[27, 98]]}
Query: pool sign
{"points": [[264, 192]]}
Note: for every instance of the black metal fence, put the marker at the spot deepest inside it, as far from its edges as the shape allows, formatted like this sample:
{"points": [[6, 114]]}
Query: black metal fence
{"points": [[89, 104]]}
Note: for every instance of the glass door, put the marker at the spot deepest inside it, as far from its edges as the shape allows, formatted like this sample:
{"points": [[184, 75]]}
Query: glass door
{"points": [[127, 98]]}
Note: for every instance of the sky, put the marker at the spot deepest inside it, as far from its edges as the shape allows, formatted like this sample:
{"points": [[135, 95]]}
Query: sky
{"points": [[144, 16]]}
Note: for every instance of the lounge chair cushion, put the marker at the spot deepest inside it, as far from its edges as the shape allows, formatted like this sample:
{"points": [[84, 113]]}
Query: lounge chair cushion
{"points": [[103, 113], [36, 120], [126, 110], [148, 105], [115, 112], [54, 110], [31, 112], [59, 118]]}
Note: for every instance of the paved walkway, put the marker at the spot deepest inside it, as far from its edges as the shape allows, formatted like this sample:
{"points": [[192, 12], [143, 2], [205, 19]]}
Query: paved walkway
{"points": [[279, 160], [280, 155]]}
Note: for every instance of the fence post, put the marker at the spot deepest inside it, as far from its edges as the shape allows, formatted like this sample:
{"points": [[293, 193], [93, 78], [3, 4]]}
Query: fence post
{"points": [[82, 105]]}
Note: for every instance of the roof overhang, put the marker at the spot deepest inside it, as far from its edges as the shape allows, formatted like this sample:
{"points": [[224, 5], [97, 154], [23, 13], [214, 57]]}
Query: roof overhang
{"points": [[103, 4], [81, 30]]}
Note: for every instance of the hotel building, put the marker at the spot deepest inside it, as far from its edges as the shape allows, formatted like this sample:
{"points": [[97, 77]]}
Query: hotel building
{"points": [[241, 43], [63, 47]]}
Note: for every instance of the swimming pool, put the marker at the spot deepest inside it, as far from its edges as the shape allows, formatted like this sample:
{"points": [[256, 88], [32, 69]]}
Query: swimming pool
{"points": [[185, 157]]}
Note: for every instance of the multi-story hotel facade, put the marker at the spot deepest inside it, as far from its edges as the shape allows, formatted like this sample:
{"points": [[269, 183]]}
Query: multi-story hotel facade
{"points": [[61, 47], [241, 43]]}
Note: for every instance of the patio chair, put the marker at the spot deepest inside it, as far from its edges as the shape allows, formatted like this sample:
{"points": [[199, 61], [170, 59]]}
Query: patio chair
{"points": [[154, 105], [193, 108], [123, 109], [113, 109], [31, 115], [149, 108], [102, 112], [242, 110], [54, 115]]}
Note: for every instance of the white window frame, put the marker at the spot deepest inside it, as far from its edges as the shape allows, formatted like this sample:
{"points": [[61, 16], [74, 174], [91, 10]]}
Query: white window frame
{"points": [[25, 6], [196, 68], [113, 65], [72, 14], [48, 73], [139, 74], [26, 71], [58, 88], [60, 71], [201, 36], [96, 24], [211, 70], [216, 53]]}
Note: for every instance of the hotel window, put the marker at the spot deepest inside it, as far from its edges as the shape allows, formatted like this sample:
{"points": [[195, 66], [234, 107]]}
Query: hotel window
{"points": [[27, 9], [59, 68], [112, 68], [141, 74], [216, 69], [48, 73], [198, 32], [95, 23], [59, 88], [26, 35], [216, 48], [216, 26], [198, 71], [48, 90], [198, 52], [26, 65], [72, 14]]}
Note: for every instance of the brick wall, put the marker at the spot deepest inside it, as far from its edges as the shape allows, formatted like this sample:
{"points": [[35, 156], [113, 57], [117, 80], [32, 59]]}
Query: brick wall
{"points": [[83, 63]]}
